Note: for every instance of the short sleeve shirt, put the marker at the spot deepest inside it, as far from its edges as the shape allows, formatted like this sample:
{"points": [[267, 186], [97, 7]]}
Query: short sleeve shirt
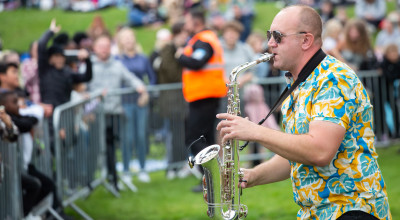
{"points": [[352, 180]]}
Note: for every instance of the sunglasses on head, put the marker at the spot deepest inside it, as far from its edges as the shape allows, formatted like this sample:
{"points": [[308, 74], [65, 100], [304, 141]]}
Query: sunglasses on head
{"points": [[278, 35]]}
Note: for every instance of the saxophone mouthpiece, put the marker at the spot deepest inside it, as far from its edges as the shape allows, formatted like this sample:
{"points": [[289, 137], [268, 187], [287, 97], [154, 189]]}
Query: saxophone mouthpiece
{"points": [[265, 57]]}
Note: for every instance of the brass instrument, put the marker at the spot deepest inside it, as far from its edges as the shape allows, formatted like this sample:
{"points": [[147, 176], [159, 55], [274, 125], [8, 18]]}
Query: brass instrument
{"points": [[222, 174]]}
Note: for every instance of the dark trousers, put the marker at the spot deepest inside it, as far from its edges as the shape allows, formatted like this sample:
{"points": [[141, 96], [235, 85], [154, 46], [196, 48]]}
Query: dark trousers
{"points": [[201, 121], [357, 215], [36, 186], [112, 130], [30, 191], [47, 186]]}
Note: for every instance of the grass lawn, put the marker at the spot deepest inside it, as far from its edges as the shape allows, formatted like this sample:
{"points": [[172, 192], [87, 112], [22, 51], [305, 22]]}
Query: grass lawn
{"points": [[163, 199]]}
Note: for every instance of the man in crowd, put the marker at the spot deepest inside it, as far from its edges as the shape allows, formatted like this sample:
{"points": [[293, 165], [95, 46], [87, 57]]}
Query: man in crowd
{"points": [[327, 148], [202, 79], [108, 74]]}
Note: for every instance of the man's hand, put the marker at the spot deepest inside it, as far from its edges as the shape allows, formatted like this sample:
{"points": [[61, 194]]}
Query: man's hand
{"points": [[83, 54], [53, 27], [48, 109], [247, 176], [235, 127], [144, 96], [6, 118], [179, 52]]}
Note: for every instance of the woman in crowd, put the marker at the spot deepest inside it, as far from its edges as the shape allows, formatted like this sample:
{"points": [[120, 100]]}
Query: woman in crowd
{"points": [[331, 35], [136, 109], [355, 48]]}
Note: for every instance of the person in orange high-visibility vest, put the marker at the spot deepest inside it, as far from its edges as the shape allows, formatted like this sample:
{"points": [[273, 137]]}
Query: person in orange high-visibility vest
{"points": [[202, 79]]}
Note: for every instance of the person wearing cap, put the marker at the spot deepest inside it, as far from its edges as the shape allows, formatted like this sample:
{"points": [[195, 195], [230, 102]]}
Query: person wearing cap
{"points": [[56, 79]]}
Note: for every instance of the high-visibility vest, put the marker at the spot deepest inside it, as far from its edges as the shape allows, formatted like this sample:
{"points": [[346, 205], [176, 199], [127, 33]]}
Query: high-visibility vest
{"points": [[207, 82]]}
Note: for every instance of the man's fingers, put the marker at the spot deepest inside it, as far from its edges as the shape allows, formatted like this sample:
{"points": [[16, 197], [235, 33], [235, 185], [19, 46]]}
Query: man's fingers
{"points": [[225, 116]]}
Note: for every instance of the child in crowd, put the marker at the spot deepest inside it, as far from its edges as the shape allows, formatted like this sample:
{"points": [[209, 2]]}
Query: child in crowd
{"points": [[390, 70], [36, 186], [256, 109]]}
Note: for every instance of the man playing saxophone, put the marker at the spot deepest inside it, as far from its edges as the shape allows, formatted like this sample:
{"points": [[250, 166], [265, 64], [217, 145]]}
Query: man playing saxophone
{"points": [[327, 147]]}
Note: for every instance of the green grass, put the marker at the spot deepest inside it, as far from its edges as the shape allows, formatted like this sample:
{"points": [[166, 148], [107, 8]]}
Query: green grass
{"points": [[20, 27], [163, 199]]}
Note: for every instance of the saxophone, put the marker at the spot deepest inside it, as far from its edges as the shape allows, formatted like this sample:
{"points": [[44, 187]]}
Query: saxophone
{"points": [[222, 174]]}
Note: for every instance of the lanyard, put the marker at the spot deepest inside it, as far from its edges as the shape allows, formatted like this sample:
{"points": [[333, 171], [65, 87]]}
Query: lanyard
{"points": [[304, 73]]}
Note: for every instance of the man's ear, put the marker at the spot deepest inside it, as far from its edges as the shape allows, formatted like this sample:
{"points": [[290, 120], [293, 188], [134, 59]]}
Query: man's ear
{"points": [[307, 42]]}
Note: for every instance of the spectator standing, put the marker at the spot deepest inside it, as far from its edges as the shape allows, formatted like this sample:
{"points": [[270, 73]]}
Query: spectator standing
{"points": [[326, 10], [82, 41], [97, 28], [341, 14], [372, 11], [331, 33], [355, 47], [202, 80], [163, 37], [169, 70], [30, 74], [109, 74], [256, 109], [56, 79], [242, 11], [235, 51], [11, 56], [258, 43], [8, 130], [389, 34], [135, 108], [390, 70]]}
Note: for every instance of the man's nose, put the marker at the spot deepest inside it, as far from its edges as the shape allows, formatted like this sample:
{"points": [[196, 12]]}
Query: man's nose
{"points": [[272, 42]]}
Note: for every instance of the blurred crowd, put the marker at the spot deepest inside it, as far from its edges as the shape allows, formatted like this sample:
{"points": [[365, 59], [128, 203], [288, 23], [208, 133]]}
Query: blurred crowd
{"points": [[34, 84]]}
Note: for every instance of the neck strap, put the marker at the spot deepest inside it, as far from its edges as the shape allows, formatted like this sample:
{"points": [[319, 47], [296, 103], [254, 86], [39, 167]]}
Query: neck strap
{"points": [[315, 60]]}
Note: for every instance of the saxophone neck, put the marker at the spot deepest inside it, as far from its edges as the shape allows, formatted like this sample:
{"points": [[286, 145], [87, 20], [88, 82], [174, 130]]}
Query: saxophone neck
{"points": [[237, 70]]}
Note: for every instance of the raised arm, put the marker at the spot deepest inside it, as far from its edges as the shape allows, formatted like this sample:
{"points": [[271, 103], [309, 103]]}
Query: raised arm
{"points": [[42, 45]]}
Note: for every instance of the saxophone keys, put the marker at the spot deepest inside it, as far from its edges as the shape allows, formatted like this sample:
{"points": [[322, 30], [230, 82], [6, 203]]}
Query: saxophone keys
{"points": [[205, 194]]}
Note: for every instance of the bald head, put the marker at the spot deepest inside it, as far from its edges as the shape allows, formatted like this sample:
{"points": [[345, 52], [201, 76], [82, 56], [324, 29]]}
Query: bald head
{"points": [[306, 19]]}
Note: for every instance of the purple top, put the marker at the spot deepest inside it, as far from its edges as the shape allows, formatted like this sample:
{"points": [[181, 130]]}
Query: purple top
{"points": [[140, 66]]}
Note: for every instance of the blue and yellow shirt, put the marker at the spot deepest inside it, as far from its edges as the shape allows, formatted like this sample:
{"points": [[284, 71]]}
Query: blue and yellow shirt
{"points": [[352, 180]]}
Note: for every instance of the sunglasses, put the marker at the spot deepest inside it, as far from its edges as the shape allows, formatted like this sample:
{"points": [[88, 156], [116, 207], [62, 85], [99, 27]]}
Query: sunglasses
{"points": [[278, 35]]}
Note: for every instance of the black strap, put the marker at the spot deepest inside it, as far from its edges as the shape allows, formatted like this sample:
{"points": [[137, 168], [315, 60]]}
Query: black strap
{"points": [[304, 73]]}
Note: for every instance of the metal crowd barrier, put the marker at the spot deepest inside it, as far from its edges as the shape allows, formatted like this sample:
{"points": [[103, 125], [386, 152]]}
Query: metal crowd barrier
{"points": [[10, 182], [42, 157], [78, 130], [164, 129]]}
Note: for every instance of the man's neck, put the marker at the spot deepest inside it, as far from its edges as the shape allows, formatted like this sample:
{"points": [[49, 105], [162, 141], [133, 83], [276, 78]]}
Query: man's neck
{"points": [[305, 58], [312, 63], [199, 29]]}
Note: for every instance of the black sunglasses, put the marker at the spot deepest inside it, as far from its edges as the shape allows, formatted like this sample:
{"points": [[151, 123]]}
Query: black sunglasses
{"points": [[278, 35]]}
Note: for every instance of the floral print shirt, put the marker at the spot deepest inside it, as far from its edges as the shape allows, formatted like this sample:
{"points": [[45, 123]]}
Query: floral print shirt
{"points": [[352, 180]]}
